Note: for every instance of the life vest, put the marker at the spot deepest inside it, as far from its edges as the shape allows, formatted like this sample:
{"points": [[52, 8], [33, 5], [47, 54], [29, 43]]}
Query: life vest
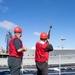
{"points": [[41, 55], [12, 49]]}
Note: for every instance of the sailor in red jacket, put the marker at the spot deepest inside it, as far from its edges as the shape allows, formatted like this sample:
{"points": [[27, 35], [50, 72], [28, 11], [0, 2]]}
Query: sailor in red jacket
{"points": [[16, 52], [43, 47]]}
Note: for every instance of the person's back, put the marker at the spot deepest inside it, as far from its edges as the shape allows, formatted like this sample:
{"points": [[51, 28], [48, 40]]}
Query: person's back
{"points": [[41, 55], [12, 48]]}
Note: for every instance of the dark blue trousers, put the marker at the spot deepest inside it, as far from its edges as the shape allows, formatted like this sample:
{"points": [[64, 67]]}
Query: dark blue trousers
{"points": [[14, 65]]}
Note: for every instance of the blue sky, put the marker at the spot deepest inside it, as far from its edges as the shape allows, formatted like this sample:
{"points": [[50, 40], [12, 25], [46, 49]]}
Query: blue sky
{"points": [[35, 16]]}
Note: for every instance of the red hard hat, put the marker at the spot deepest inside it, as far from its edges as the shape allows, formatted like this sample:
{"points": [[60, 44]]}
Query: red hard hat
{"points": [[17, 30], [43, 35]]}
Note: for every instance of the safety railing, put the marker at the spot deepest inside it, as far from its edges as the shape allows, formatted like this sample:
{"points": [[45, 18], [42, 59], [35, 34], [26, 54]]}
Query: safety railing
{"points": [[58, 64]]}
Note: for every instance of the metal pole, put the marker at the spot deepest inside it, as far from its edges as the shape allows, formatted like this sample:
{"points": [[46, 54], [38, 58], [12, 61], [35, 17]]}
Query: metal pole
{"points": [[59, 64], [63, 43], [22, 66]]}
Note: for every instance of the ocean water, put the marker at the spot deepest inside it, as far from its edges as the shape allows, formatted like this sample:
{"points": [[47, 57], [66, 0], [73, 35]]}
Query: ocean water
{"points": [[68, 71]]}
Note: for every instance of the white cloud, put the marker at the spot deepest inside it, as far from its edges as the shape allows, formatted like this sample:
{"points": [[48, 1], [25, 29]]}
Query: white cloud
{"points": [[36, 33], [6, 24], [33, 48], [3, 9], [1, 1]]}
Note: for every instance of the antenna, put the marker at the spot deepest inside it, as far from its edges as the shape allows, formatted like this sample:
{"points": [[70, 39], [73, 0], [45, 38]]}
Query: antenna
{"points": [[62, 39], [7, 39]]}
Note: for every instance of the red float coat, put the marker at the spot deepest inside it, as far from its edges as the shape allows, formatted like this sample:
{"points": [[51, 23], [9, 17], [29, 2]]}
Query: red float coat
{"points": [[41, 55], [12, 49]]}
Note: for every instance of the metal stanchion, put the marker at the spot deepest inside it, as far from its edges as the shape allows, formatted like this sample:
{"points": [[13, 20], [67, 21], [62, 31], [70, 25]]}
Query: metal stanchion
{"points": [[59, 64]]}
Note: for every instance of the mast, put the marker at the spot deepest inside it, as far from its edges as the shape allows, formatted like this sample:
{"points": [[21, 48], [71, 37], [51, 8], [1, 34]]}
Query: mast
{"points": [[7, 39], [62, 39]]}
